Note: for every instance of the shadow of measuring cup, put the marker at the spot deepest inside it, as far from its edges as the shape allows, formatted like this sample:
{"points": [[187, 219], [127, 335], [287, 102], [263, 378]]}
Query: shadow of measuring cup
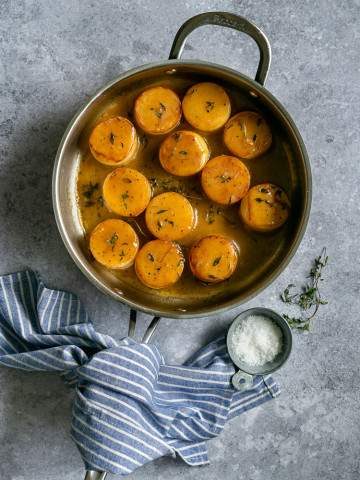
{"points": [[243, 378]]}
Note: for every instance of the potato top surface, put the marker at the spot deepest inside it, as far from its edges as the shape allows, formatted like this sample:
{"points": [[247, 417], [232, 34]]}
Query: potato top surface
{"points": [[114, 244], [225, 179], [159, 264], [170, 216], [126, 192], [157, 110], [247, 135], [184, 153], [114, 141], [266, 207], [206, 106], [213, 258]]}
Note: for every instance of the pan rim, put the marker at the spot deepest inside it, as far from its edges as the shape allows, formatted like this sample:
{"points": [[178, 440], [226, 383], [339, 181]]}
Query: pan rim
{"points": [[225, 306]]}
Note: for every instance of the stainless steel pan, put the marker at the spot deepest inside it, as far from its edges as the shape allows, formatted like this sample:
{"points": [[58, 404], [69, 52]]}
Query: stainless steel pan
{"points": [[67, 160]]}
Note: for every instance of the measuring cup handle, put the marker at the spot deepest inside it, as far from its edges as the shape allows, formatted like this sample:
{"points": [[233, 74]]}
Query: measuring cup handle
{"points": [[242, 381]]}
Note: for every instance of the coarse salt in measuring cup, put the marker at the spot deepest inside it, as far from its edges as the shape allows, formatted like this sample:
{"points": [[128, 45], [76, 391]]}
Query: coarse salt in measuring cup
{"points": [[257, 340]]}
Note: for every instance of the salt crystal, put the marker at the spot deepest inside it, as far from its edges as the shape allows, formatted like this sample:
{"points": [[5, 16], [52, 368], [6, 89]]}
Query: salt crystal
{"points": [[257, 340]]}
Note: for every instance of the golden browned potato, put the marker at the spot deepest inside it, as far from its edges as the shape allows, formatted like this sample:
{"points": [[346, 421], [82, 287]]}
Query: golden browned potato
{"points": [[213, 259], [114, 244], [159, 264], [157, 110], [114, 141], [206, 106], [184, 153], [247, 135], [170, 216], [225, 179], [265, 207], [126, 192]]}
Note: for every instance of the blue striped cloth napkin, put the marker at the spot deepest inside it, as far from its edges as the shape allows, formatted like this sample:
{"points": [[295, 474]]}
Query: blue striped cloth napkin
{"points": [[130, 406]]}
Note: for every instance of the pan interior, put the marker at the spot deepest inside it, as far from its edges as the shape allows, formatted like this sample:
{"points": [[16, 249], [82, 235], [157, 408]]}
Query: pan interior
{"points": [[261, 255]]}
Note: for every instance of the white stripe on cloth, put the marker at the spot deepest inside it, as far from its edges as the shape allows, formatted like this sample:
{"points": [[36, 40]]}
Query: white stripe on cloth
{"points": [[123, 433], [130, 407], [127, 420], [129, 360], [100, 433]]}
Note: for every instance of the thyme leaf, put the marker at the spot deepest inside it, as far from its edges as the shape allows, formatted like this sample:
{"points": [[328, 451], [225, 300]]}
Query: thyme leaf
{"points": [[259, 200], [144, 141], [209, 106], [153, 182], [224, 178], [89, 189], [211, 213], [124, 197], [160, 111], [112, 240], [216, 261]]}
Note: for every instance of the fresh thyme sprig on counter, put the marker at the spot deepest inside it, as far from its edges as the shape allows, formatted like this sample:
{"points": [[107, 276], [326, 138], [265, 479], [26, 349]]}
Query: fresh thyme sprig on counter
{"points": [[308, 299]]}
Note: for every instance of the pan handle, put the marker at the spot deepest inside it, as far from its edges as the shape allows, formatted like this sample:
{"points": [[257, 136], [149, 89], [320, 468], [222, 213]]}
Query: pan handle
{"points": [[92, 474], [230, 20], [149, 332]]}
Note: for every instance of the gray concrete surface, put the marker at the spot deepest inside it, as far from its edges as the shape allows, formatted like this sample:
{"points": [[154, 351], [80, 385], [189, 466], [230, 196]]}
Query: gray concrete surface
{"points": [[53, 56]]}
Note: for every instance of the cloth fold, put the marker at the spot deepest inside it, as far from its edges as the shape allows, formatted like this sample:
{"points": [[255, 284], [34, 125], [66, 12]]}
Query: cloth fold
{"points": [[130, 407]]}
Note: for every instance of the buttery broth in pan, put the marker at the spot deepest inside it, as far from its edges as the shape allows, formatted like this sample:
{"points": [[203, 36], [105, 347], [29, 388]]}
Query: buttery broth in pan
{"points": [[256, 250]]}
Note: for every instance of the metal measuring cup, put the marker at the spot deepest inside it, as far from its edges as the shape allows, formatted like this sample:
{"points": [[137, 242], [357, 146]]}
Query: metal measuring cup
{"points": [[243, 378]]}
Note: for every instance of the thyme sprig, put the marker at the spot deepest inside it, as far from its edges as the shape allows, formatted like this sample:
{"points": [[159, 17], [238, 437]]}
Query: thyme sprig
{"points": [[308, 299]]}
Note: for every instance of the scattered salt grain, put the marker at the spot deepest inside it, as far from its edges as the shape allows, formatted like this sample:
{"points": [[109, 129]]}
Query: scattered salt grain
{"points": [[257, 340]]}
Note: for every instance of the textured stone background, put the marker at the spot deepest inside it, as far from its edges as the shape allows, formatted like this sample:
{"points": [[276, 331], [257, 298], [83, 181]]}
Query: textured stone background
{"points": [[54, 55]]}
